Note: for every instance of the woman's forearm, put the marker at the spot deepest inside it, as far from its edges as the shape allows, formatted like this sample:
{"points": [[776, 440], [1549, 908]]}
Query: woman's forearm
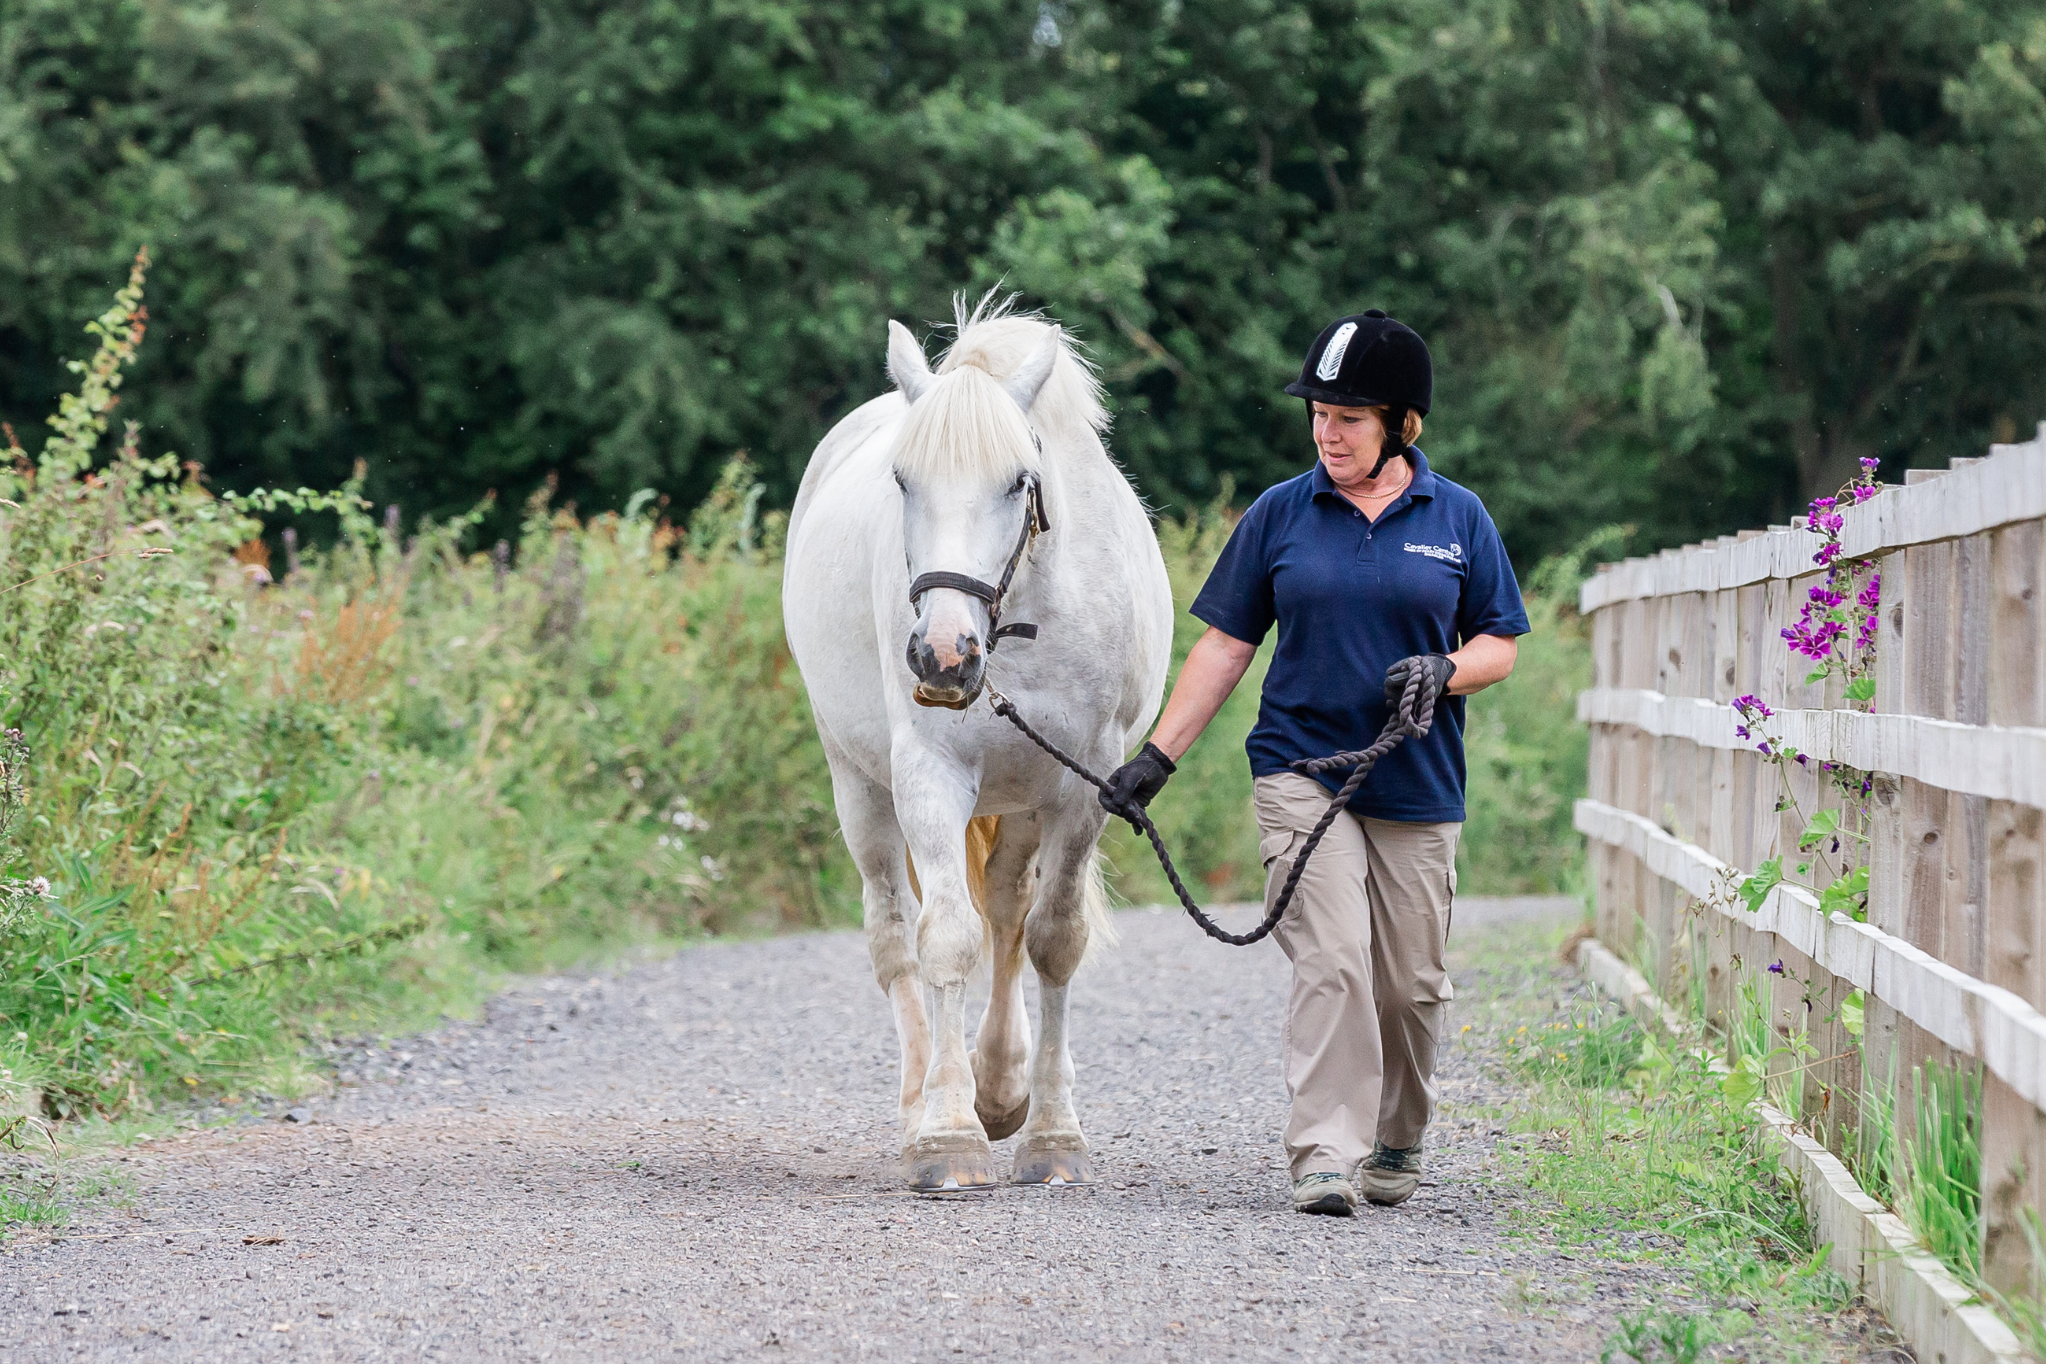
{"points": [[1483, 661], [1213, 667]]}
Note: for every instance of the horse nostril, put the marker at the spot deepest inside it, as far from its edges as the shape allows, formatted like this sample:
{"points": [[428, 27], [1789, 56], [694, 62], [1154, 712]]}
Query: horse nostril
{"points": [[921, 661]]}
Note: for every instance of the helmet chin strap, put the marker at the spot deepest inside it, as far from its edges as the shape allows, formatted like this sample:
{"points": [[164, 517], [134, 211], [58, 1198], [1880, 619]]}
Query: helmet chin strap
{"points": [[1394, 445]]}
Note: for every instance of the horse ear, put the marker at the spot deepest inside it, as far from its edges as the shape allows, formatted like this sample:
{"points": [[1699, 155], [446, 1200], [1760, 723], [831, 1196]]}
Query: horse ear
{"points": [[1028, 380], [906, 363]]}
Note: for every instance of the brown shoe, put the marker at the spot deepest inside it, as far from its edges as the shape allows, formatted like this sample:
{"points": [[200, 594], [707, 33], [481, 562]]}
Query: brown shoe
{"points": [[1389, 1176], [1324, 1192]]}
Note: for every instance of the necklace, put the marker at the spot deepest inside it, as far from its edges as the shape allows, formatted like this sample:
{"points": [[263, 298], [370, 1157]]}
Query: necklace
{"points": [[1390, 492]]}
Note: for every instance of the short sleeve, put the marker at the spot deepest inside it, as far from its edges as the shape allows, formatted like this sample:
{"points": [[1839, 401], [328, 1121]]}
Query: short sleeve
{"points": [[1237, 597], [1491, 602]]}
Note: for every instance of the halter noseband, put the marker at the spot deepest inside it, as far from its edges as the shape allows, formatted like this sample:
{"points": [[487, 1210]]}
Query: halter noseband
{"points": [[1035, 521]]}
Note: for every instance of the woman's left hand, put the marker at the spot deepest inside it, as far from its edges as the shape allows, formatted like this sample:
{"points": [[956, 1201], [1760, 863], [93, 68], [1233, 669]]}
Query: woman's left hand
{"points": [[1436, 669]]}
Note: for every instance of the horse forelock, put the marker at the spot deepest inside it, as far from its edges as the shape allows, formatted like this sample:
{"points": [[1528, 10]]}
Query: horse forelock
{"points": [[965, 426], [995, 337]]}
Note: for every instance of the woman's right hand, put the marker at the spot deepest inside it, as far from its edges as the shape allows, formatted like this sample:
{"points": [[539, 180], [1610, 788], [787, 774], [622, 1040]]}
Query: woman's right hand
{"points": [[1137, 781]]}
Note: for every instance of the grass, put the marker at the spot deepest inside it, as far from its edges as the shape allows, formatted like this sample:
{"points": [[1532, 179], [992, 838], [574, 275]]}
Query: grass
{"points": [[1940, 1197], [1640, 1155]]}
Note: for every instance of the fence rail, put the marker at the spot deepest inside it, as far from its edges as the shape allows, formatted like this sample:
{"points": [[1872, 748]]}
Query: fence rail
{"points": [[1952, 959]]}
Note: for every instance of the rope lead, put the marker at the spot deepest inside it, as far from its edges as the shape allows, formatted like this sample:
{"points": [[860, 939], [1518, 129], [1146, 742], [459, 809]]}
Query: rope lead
{"points": [[1410, 718]]}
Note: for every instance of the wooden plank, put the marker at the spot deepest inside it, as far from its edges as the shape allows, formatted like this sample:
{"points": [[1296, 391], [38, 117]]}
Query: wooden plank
{"points": [[1993, 761], [2014, 683], [1970, 1015], [2005, 489]]}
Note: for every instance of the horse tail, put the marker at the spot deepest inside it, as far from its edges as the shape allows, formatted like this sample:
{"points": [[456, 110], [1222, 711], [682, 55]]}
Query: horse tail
{"points": [[981, 833], [1101, 934]]}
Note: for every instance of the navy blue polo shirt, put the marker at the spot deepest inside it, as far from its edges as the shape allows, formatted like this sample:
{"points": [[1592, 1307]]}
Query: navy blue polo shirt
{"points": [[1352, 597]]}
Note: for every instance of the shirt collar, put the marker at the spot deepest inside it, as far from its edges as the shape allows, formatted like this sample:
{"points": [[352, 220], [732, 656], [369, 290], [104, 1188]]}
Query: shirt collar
{"points": [[1422, 486]]}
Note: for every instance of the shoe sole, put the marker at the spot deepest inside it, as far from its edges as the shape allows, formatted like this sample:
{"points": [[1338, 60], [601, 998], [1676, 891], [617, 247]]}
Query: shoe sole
{"points": [[1328, 1205], [1389, 1191]]}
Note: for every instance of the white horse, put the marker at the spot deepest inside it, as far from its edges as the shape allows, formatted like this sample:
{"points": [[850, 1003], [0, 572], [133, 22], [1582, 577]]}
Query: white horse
{"points": [[986, 473]]}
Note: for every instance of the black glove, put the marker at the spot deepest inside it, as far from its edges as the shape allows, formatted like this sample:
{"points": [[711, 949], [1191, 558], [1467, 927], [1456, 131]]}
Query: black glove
{"points": [[1137, 781], [1436, 670]]}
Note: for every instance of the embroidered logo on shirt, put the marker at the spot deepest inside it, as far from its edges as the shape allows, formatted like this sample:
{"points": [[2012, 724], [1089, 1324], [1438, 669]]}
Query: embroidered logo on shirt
{"points": [[1332, 359], [1452, 555]]}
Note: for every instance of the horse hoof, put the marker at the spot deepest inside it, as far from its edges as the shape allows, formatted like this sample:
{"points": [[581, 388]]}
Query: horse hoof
{"points": [[1057, 1166], [942, 1166], [1007, 1124]]}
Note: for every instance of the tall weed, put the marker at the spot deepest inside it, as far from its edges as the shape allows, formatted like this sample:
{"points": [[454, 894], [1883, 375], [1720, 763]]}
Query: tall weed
{"points": [[250, 800], [256, 807]]}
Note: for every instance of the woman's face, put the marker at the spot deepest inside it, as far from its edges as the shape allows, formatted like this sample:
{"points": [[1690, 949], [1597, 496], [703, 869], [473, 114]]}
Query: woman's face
{"points": [[1348, 440]]}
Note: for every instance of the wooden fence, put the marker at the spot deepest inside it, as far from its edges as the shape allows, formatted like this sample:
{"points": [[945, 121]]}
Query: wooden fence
{"points": [[1952, 959]]}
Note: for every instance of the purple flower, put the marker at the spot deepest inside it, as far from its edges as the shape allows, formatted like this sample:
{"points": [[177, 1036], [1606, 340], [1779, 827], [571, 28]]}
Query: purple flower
{"points": [[1753, 703], [1863, 492], [1763, 749], [1870, 464], [1777, 969], [1740, 731], [1802, 761]]}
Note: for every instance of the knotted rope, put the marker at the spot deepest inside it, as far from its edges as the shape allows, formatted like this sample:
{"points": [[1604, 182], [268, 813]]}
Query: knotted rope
{"points": [[1412, 717]]}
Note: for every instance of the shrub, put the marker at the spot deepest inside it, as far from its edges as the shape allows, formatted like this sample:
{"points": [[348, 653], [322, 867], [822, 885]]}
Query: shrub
{"points": [[253, 799]]}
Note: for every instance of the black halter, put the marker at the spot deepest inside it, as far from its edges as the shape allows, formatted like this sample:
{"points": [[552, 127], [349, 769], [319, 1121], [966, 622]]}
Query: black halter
{"points": [[1034, 521]]}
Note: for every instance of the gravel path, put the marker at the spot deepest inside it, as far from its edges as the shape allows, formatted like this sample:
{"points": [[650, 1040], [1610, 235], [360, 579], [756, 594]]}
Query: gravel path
{"points": [[694, 1159]]}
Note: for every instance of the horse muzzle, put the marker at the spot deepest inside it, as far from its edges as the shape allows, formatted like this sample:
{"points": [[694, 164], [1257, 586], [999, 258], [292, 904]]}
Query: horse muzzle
{"points": [[949, 675]]}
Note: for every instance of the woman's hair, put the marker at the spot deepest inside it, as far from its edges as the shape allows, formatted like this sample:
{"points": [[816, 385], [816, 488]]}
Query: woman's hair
{"points": [[1409, 433]]}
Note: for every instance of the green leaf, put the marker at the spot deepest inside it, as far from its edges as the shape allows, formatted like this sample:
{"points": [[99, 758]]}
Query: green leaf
{"points": [[1861, 689], [1823, 826], [1846, 895], [1755, 889], [1819, 673], [1742, 1085], [1851, 1012]]}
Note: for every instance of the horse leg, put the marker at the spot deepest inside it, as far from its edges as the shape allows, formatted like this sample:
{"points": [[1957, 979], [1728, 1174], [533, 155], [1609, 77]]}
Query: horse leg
{"points": [[933, 802], [1069, 904], [1001, 1049], [867, 815]]}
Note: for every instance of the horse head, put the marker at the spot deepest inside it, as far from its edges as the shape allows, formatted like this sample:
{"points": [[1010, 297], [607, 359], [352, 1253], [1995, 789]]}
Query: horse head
{"points": [[970, 468]]}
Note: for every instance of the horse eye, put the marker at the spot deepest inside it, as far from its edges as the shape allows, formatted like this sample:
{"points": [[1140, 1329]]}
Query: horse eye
{"points": [[1022, 482]]}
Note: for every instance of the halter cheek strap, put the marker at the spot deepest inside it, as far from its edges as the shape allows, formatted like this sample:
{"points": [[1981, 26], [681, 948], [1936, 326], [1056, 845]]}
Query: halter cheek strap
{"points": [[1035, 521]]}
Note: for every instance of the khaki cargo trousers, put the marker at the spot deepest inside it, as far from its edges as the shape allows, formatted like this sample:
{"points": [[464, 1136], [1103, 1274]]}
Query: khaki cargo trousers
{"points": [[1365, 933]]}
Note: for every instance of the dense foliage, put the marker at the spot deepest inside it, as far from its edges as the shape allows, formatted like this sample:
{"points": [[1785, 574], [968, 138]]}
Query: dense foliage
{"points": [[1682, 261], [248, 797]]}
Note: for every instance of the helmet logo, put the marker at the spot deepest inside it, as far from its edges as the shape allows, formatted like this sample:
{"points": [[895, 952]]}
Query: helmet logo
{"points": [[1332, 358]]}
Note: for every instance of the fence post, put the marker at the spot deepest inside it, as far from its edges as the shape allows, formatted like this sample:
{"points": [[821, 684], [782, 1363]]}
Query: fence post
{"points": [[2013, 660]]}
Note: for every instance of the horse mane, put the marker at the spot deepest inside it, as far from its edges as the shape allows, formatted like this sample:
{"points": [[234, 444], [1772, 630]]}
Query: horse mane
{"points": [[968, 420]]}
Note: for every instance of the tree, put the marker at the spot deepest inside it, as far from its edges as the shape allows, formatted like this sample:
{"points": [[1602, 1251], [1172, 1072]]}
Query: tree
{"points": [[1680, 262]]}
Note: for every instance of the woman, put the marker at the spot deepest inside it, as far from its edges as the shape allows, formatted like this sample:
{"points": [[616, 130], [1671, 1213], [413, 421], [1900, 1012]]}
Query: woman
{"points": [[1373, 567]]}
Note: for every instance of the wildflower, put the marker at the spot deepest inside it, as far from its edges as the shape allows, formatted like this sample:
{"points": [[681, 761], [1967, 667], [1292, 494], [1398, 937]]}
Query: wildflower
{"points": [[39, 886], [1753, 703], [1869, 464], [1802, 761], [1777, 969], [1740, 731]]}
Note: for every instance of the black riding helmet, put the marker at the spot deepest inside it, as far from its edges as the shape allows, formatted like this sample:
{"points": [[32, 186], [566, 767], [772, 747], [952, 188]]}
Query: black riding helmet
{"points": [[1369, 360]]}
